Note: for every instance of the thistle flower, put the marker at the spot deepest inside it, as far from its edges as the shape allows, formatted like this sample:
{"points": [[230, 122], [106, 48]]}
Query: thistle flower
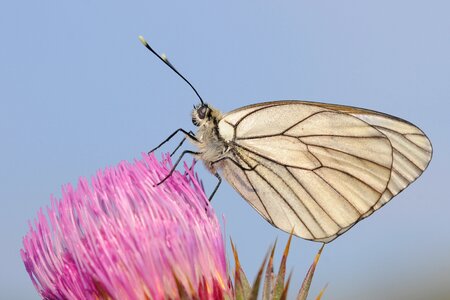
{"points": [[120, 237]]}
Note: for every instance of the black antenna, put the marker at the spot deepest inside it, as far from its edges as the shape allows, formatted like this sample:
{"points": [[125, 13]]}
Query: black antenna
{"points": [[164, 59]]}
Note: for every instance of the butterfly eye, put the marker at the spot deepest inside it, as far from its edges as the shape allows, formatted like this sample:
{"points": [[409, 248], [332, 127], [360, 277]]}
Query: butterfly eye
{"points": [[201, 112]]}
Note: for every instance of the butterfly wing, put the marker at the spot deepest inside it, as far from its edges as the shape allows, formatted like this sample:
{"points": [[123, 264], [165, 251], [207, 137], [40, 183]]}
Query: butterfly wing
{"points": [[412, 150], [319, 168]]}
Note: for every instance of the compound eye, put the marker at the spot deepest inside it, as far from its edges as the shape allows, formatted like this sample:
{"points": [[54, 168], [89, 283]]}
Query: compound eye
{"points": [[202, 112]]}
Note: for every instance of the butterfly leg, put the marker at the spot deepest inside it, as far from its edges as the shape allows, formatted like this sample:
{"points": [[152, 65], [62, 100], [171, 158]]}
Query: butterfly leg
{"points": [[220, 178], [217, 186], [189, 134], [176, 164]]}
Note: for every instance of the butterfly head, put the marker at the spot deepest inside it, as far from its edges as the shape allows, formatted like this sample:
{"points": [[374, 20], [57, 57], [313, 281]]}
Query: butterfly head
{"points": [[201, 114]]}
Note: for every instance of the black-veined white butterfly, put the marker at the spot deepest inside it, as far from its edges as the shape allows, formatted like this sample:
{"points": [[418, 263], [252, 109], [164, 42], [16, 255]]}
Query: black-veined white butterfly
{"points": [[312, 168]]}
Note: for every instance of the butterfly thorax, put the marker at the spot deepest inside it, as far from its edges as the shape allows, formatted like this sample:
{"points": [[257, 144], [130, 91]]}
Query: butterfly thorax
{"points": [[211, 145]]}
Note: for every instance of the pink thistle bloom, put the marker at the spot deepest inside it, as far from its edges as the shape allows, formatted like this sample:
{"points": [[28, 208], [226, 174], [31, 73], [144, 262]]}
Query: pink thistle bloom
{"points": [[121, 237]]}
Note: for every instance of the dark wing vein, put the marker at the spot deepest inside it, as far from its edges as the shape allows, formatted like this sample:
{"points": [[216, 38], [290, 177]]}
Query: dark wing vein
{"points": [[406, 136], [313, 198], [350, 175], [259, 197], [254, 111], [302, 120], [281, 196], [337, 192], [284, 199], [338, 135], [419, 170], [265, 157], [238, 157], [334, 149], [397, 173]]}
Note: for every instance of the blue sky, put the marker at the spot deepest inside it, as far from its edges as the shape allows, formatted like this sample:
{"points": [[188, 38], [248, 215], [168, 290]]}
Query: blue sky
{"points": [[78, 92]]}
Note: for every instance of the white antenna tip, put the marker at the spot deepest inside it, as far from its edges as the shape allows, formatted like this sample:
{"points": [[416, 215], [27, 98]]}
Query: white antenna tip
{"points": [[143, 41], [164, 58]]}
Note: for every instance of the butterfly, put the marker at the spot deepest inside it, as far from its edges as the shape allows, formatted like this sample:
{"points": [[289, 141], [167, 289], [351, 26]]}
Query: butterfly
{"points": [[310, 168]]}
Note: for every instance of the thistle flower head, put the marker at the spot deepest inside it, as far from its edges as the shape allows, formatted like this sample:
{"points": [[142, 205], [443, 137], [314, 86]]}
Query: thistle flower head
{"points": [[120, 237]]}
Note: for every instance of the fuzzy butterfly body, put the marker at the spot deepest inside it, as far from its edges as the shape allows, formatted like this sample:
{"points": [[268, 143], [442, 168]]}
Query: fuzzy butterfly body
{"points": [[313, 168]]}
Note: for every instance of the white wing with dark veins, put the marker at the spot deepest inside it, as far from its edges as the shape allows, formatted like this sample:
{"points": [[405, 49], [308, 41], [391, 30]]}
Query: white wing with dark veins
{"points": [[318, 168]]}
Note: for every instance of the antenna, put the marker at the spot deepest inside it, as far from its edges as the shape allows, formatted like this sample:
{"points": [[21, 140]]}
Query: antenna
{"points": [[164, 59]]}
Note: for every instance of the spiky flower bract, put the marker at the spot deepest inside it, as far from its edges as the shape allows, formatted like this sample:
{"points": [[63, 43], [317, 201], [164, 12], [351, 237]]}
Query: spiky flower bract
{"points": [[121, 237]]}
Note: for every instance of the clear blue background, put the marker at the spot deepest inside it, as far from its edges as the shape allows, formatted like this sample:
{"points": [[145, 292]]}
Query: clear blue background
{"points": [[79, 92]]}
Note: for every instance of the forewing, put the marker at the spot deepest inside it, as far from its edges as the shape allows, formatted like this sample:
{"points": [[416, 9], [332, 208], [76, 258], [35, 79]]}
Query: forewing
{"points": [[320, 168], [411, 148], [412, 152]]}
